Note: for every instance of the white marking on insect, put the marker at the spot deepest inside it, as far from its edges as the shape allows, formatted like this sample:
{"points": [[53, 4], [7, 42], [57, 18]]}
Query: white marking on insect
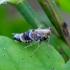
{"points": [[33, 35]]}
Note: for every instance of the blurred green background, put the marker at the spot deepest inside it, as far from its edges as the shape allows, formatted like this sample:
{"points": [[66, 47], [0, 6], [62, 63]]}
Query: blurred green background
{"points": [[11, 21]]}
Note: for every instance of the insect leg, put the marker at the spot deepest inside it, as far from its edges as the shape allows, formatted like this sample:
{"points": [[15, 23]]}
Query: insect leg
{"points": [[48, 46], [30, 45], [36, 48], [48, 39]]}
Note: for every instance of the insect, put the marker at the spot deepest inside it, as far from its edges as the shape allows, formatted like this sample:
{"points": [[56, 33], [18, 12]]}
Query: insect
{"points": [[65, 24], [33, 35]]}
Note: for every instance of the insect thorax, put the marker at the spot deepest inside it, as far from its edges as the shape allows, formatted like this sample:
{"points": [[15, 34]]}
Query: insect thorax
{"points": [[38, 35]]}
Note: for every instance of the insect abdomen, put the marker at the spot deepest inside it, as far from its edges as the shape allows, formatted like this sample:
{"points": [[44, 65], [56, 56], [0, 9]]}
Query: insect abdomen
{"points": [[26, 36]]}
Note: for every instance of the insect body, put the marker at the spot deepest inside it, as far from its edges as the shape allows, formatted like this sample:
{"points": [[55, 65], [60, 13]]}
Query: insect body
{"points": [[34, 34]]}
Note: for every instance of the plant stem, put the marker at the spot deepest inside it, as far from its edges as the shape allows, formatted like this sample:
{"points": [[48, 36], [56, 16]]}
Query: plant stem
{"points": [[53, 13], [28, 13], [57, 42]]}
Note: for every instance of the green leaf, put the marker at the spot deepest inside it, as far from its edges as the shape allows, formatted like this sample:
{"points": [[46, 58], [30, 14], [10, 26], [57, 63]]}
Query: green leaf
{"points": [[13, 57]]}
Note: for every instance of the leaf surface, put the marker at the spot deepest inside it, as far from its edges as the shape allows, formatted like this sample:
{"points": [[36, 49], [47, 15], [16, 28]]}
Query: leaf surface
{"points": [[13, 57]]}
